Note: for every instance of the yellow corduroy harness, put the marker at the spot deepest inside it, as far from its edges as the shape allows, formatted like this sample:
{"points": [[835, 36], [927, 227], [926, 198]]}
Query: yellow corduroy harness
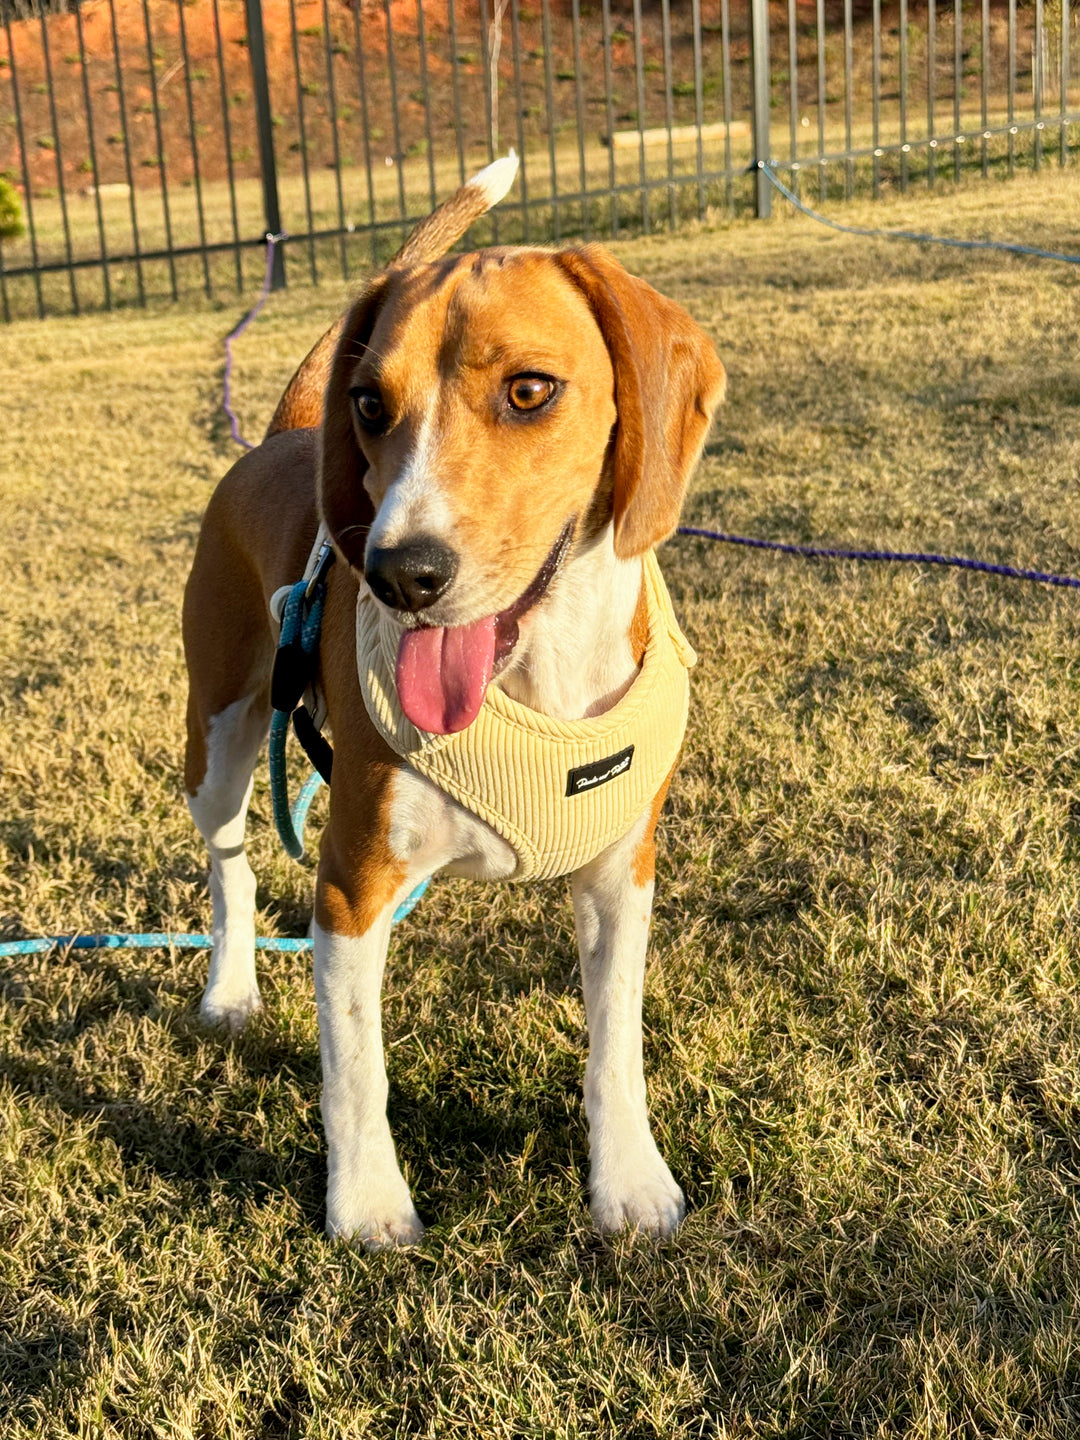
{"points": [[559, 792]]}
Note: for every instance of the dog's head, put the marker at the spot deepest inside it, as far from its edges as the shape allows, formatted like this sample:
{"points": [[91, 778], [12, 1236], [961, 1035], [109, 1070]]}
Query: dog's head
{"points": [[483, 414]]}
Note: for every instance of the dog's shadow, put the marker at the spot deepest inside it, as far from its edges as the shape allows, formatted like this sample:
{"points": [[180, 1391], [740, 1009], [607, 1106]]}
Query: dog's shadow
{"points": [[197, 1133], [158, 1134]]}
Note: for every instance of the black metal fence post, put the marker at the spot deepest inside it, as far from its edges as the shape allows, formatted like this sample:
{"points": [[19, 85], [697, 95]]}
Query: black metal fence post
{"points": [[264, 125], [759, 65]]}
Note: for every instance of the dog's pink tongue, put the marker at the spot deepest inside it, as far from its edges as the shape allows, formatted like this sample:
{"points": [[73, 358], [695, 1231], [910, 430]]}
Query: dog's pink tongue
{"points": [[443, 674]]}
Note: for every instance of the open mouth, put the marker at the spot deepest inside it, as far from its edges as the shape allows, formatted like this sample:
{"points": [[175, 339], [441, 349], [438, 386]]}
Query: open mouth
{"points": [[443, 671]]}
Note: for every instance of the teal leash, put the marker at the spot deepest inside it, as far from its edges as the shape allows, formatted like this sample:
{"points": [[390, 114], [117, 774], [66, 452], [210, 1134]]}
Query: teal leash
{"points": [[294, 669], [294, 666], [144, 940]]}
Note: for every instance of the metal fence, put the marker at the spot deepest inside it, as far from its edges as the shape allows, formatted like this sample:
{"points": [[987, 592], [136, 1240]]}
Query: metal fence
{"points": [[153, 143]]}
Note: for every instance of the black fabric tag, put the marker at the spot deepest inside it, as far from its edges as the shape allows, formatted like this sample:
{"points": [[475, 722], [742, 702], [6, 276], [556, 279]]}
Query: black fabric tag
{"points": [[588, 777]]}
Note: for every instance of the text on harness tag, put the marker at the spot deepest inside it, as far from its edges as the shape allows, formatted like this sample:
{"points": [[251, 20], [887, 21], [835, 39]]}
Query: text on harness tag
{"points": [[587, 777]]}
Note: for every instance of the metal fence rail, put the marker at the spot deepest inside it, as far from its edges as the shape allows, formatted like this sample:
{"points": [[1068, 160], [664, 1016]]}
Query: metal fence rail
{"points": [[153, 143]]}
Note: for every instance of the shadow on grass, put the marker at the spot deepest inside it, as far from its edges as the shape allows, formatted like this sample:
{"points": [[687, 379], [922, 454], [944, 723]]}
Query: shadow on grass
{"points": [[159, 1137], [50, 1355], [455, 1125]]}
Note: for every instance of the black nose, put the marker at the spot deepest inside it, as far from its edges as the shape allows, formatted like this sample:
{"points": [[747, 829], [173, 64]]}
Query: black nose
{"points": [[413, 576]]}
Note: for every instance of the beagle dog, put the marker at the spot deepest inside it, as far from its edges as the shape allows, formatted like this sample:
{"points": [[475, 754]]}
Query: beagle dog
{"points": [[494, 443]]}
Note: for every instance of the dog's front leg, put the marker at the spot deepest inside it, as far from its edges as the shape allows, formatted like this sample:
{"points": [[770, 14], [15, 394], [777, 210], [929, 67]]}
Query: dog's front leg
{"points": [[367, 1198], [629, 1183]]}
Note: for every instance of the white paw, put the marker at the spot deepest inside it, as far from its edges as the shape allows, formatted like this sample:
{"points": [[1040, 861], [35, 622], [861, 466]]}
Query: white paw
{"points": [[231, 1010], [378, 1216], [635, 1190]]}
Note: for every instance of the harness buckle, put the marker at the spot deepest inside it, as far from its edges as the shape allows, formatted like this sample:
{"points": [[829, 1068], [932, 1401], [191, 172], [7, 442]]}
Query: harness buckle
{"points": [[323, 561]]}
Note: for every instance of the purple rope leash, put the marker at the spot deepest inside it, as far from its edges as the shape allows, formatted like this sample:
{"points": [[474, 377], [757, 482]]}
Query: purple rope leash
{"points": [[918, 236], [272, 241], [818, 552], [900, 557]]}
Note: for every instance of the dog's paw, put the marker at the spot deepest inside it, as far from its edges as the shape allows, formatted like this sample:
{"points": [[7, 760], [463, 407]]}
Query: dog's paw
{"points": [[375, 1216], [636, 1192], [222, 1009]]}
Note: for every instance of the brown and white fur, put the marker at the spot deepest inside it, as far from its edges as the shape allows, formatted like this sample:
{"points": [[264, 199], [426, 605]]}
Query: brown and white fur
{"points": [[438, 339]]}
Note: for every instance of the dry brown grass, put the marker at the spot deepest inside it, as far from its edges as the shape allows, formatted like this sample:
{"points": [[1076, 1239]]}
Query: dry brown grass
{"points": [[861, 1011]]}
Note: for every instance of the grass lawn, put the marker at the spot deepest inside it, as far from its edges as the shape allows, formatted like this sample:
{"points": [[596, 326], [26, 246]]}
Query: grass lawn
{"points": [[862, 1013]]}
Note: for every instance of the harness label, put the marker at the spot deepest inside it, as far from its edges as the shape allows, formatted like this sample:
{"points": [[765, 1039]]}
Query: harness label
{"points": [[587, 777]]}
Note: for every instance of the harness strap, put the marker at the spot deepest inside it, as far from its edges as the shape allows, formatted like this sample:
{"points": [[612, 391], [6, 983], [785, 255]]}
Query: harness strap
{"points": [[313, 742]]}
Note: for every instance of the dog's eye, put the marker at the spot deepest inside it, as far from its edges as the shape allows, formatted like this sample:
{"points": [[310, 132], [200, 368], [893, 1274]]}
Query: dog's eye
{"points": [[529, 392], [369, 409]]}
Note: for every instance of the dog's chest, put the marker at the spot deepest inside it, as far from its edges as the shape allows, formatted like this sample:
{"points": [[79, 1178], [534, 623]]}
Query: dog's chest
{"points": [[431, 831]]}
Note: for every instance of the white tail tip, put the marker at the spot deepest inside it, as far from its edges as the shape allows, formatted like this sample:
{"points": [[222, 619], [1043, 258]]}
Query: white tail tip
{"points": [[496, 179]]}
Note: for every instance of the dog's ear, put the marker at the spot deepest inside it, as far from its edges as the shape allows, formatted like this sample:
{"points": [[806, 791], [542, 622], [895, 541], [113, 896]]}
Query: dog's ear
{"points": [[668, 382], [343, 502]]}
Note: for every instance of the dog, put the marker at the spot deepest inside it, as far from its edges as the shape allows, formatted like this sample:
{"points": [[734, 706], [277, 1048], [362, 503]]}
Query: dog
{"points": [[494, 443]]}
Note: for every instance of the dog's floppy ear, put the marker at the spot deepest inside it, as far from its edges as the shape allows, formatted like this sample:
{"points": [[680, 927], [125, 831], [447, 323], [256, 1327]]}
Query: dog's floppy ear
{"points": [[668, 382], [343, 502]]}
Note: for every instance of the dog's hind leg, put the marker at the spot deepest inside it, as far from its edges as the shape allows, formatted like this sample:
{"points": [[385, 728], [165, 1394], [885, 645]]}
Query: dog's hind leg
{"points": [[258, 529], [219, 809], [229, 644]]}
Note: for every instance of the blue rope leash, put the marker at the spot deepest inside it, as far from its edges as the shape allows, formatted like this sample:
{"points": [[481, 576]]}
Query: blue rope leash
{"points": [[302, 804], [161, 940], [149, 940], [915, 235], [272, 242]]}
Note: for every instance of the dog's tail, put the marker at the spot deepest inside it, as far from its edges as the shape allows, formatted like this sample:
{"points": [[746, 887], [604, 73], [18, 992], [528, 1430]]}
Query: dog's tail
{"points": [[300, 406], [445, 226]]}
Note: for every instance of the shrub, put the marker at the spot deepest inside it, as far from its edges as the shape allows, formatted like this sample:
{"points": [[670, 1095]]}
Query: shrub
{"points": [[10, 211]]}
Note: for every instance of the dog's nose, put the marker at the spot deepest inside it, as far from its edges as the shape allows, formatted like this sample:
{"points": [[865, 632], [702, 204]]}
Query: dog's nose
{"points": [[412, 576]]}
